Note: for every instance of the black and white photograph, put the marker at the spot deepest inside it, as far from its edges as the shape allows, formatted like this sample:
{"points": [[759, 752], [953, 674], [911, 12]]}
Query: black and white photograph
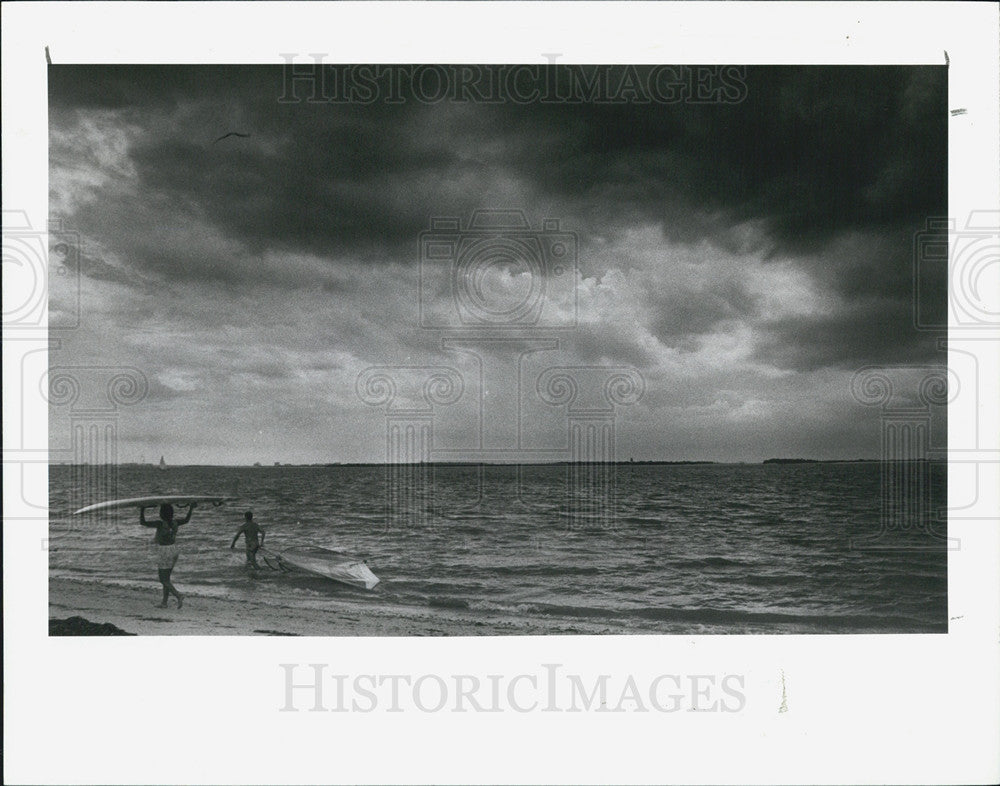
{"points": [[485, 350], [414, 383]]}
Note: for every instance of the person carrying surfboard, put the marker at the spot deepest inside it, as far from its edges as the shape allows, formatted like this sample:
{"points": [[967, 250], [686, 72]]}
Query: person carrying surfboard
{"points": [[250, 530], [165, 548]]}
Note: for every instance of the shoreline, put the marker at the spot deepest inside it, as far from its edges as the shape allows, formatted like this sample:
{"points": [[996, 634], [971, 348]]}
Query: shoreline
{"points": [[79, 607], [136, 610]]}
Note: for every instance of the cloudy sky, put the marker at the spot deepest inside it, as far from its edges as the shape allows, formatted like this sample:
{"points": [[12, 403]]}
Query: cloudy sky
{"points": [[744, 253]]}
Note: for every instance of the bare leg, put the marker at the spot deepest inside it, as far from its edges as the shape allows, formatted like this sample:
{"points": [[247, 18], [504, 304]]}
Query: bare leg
{"points": [[165, 581], [168, 587]]}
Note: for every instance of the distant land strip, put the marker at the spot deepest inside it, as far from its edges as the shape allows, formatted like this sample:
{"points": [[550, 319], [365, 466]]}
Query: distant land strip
{"points": [[279, 465]]}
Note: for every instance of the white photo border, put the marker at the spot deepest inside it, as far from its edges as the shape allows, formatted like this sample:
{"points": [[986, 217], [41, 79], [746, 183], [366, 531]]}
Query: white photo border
{"points": [[824, 708]]}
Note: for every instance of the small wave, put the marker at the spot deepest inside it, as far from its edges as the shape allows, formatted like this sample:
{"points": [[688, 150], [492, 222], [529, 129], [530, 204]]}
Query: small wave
{"points": [[770, 579], [642, 521], [709, 562], [447, 603], [467, 529], [429, 587], [544, 570], [733, 619]]}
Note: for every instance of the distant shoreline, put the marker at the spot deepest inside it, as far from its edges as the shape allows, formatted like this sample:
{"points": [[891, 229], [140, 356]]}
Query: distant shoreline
{"points": [[494, 464]]}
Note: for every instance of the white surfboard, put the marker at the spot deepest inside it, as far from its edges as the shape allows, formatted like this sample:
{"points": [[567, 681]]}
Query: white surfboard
{"points": [[181, 500]]}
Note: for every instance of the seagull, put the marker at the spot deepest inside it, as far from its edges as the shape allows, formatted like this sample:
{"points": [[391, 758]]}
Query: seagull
{"points": [[232, 133]]}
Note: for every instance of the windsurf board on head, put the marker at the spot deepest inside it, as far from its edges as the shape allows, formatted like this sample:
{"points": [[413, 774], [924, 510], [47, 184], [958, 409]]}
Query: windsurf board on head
{"points": [[180, 500]]}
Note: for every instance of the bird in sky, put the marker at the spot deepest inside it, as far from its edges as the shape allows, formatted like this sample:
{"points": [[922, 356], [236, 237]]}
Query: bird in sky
{"points": [[232, 133]]}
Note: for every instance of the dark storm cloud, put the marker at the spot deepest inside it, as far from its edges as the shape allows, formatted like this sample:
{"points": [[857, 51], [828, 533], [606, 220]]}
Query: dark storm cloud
{"points": [[681, 315], [322, 190], [810, 152], [868, 279], [865, 332], [834, 168], [99, 270], [129, 87]]}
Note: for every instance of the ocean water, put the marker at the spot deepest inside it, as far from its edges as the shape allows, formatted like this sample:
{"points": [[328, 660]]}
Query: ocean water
{"points": [[717, 548]]}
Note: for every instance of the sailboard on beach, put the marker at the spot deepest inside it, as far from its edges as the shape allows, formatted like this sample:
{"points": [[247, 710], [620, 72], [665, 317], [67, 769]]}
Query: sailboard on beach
{"points": [[316, 561]]}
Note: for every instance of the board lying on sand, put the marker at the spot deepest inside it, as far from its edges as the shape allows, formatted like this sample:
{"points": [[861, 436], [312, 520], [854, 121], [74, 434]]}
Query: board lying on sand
{"points": [[317, 561], [181, 500]]}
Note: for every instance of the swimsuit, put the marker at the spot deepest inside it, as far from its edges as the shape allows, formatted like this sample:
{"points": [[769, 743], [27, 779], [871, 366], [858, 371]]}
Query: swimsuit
{"points": [[252, 544], [165, 556]]}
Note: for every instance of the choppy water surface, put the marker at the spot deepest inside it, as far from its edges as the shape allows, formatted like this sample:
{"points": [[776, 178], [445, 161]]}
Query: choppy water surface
{"points": [[690, 548]]}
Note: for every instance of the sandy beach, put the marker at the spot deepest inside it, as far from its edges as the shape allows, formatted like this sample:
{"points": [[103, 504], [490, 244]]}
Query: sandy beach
{"points": [[135, 610]]}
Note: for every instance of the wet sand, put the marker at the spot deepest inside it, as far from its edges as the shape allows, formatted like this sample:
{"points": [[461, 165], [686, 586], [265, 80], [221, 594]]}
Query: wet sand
{"points": [[135, 610]]}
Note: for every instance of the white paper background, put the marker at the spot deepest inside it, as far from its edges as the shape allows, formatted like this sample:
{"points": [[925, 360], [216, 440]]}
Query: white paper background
{"points": [[161, 710]]}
